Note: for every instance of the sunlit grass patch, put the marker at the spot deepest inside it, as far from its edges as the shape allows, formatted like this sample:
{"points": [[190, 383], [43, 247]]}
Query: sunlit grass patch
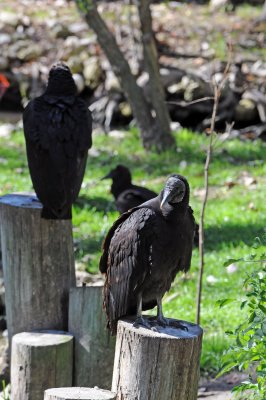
{"points": [[235, 214]]}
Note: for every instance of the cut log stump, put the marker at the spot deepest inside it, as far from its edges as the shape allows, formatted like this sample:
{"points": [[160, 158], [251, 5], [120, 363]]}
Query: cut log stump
{"points": [[38, 263], [94, 347], [161, 365], [78, 393], [40, 360]]}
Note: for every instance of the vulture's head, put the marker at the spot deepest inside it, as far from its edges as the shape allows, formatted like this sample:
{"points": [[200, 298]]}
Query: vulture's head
{"points": [[119, 174], [60, 81], [175, 195]]}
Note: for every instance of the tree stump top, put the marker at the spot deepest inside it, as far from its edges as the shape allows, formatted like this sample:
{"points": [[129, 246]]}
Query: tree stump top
{"points": [[42, 338], [168, 332], [79, 393], [24, 200]]}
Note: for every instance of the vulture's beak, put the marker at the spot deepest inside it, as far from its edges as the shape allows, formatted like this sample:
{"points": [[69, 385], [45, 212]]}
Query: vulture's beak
{"points": [[108, 176], [166, 197]]}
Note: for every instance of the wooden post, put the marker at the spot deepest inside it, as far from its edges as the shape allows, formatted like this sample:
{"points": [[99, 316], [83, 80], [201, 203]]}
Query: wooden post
{"points": [[77, 393], [94, 347], [150, 365], [40, 360], [38, 263]]}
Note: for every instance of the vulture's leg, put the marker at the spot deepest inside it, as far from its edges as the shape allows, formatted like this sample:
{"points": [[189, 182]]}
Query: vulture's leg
{"points": [[140, 320], [162, 321], [160, 318]]}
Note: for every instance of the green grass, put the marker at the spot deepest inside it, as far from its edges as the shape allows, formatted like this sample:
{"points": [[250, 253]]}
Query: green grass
{"points": [[234, 216]]}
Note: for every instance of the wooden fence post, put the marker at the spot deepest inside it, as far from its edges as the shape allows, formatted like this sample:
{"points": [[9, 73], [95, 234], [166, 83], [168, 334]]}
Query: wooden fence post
{"points": [[38, 263], [94, 348], [40, 360], [77, 393], [160, 365]]}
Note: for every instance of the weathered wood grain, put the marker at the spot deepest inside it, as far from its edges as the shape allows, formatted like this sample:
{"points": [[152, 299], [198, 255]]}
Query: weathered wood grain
{"points": [[161, 365], [94, 347], [38, 263], [40, 360]]}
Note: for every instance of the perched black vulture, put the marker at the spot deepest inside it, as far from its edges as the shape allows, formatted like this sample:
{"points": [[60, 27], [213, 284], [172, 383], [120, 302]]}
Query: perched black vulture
{"points": [[57, 128], [144, 250], [125, 193]]}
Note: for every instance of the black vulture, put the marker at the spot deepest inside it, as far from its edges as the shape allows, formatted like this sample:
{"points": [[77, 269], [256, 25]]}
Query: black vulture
{"points": [[125, 193], [57, 128], [144, 250]]}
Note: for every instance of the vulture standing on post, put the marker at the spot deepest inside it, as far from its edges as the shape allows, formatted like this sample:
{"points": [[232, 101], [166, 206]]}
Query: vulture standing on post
{"points": [[144, 250], [57, 128], [125, 193]]}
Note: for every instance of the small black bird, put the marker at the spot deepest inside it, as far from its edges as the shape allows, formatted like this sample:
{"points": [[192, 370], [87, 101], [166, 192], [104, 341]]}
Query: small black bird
{"points": [[57, 128], [125, 193], [144, 250]]}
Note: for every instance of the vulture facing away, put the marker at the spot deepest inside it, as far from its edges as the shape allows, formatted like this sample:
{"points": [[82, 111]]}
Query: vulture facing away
{"points": [[144, 250], [125, 193], [57, 129]]}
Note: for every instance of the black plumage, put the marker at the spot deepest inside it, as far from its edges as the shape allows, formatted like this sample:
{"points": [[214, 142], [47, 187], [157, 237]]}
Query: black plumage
{"points": [[125, 193], [57, 128], [144, 250]]}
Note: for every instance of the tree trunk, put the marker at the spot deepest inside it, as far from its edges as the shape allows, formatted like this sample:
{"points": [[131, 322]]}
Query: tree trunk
{"points": [[160, 365], [156, 89], [40, 360], [94, 348], [77, 393], [151, 133], [38, 263]]}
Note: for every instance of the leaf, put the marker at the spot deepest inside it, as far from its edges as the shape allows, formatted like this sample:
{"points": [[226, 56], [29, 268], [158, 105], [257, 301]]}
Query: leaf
{"points": [[231, 261], [227, 367], [262, 308], [223, 302], [242, 305]]}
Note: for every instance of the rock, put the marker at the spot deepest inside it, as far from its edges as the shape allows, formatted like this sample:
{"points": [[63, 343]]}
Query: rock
{"points": [[78, 27], [60, 31], [79, 81], [9, 18], [5, 38], [3, 63], [75, 64], [125, 109], [24, 50], [92, 72], [112, 83], [30, 53], [246, 110]]}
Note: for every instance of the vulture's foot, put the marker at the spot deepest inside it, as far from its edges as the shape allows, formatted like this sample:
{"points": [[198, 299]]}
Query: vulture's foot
{"points": [[141, 321], [177, 324], [165, 322]]}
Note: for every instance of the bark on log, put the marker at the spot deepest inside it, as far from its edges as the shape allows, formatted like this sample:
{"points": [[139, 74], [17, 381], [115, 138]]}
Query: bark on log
{"points": [[38, 263], [40, 360], [160, 365], [77, 393], [94, 347]]}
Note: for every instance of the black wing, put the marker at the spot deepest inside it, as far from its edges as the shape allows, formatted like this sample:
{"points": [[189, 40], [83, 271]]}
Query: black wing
{"points": [[187, 232], [58, 136], [133, 197], [126, 261]]}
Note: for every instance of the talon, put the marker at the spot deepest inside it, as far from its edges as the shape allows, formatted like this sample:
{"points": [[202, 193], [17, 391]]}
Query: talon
{"points": [[163, 321], [140, 321], [177, 325]]}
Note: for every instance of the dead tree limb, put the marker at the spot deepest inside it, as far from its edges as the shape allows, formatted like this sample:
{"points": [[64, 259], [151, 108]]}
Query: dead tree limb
{"points": [[152, 133]]}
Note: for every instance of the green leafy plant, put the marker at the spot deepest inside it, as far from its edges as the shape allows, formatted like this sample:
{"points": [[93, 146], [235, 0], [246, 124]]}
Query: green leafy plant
{"points": [[5, 391], [248, 351]]}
